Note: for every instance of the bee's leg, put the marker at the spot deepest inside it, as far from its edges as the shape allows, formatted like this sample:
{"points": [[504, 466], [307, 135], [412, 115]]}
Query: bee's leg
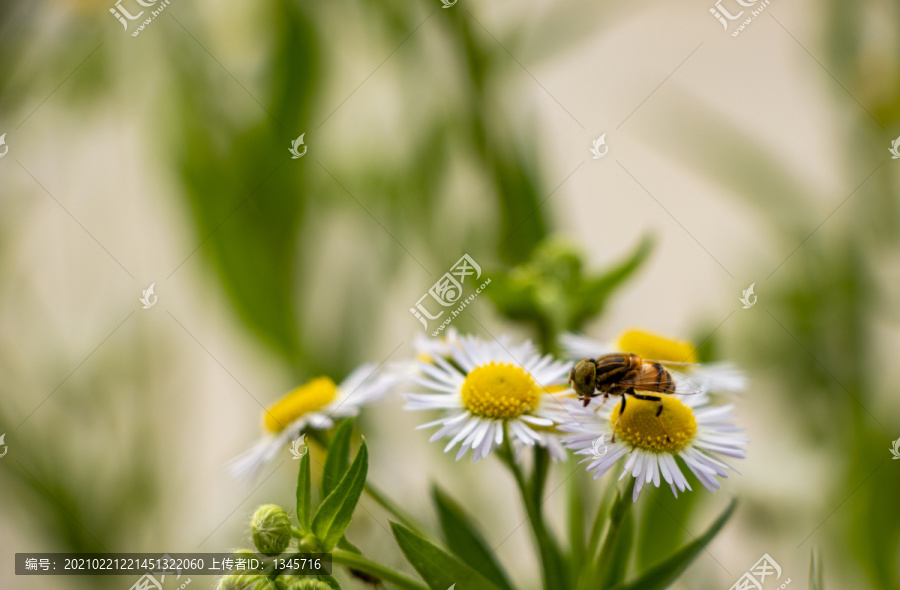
{"points": [[661, 425], [656, 398], [619, 417]]}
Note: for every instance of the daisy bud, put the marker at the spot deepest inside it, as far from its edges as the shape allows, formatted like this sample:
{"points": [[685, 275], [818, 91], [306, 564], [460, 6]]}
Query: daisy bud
{"points": [[239, 582], [271, 529], [307, 584]]}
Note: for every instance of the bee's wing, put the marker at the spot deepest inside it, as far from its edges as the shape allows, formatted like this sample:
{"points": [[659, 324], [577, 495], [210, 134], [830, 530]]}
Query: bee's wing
{"points": [[684, 385], [671, 363]]}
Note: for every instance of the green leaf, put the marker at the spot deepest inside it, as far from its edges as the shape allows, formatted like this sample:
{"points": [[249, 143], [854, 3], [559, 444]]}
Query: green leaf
{"points": [[247, 205], [346, 545], [336, 511], [621, 507], [590, 298], [464, 540], [666, 572], [304, 494], [621, 552], [439, 569], [338, 458]]}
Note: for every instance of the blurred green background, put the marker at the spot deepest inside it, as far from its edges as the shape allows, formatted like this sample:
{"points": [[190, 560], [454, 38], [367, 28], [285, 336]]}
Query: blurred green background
{"points": [[431, 133]]}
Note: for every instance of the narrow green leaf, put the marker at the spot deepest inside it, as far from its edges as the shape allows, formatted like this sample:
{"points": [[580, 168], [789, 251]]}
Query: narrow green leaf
{"points": [[591, 296], [439, 569], [621, 507], [338, 459], [621, 552], [667, 571], [336, 511], [576, 514], [304, 494], [346, 545], [464, 540]]}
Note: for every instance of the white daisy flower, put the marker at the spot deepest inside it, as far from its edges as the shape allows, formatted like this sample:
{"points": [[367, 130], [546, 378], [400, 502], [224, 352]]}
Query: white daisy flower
{"points": [[695, 432], [488, 390], [714, 377], [316, 404]]}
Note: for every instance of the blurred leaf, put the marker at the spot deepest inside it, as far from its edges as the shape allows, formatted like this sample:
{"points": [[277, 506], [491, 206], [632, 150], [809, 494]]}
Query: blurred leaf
{"points": [[336, 511], [464, 540], [245, 193], [304, 494], [439, 569], [664, 574], [338, 458]]}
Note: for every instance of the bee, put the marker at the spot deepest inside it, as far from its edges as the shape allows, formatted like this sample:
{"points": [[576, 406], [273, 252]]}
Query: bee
{"points": [[621, 374]]}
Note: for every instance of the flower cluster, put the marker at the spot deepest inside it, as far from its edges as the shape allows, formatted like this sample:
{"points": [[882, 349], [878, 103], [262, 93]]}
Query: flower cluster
{"points": [[500, 394]]}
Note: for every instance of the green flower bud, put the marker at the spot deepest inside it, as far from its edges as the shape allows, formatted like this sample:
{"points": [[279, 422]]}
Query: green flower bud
{"points": [[271, 529], [239, 582], [308, 584]]}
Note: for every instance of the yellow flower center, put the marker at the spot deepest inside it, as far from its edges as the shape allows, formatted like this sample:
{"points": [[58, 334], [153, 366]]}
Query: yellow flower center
{"points": [[653, 347], [500, 391], [640, 428], [310, 397]]}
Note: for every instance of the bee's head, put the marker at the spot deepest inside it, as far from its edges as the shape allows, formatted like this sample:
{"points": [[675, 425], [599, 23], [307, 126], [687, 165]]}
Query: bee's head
{"points": [[582, 376]]}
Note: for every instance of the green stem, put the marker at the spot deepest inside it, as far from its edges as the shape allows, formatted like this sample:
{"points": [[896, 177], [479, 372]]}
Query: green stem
{"points": [[358, 562], [554, 572]]}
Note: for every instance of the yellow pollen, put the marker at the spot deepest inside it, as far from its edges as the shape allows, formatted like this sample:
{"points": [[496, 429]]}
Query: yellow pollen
{"points": [[657, 348], [500, 391], [640, 428], [310, 397]]}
